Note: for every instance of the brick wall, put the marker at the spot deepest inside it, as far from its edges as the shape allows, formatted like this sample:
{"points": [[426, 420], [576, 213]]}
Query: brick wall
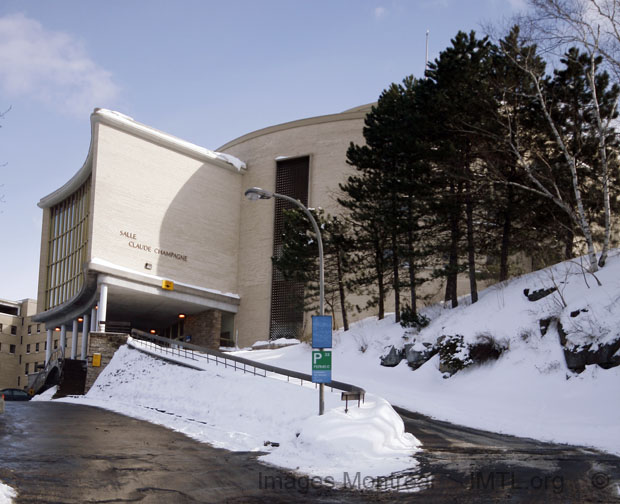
{"points": [[205, 328]]}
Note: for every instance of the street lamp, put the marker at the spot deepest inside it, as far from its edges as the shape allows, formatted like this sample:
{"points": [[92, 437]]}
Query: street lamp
{"points": [[256, 193]]}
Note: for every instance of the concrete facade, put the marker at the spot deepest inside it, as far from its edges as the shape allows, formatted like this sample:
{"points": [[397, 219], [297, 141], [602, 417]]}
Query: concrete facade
{"points": [[148, 199]]}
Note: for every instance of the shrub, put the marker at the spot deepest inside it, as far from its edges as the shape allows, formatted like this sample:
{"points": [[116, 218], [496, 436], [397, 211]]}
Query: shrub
{"points": [[486, 348], [453, 354], [410, 319]]}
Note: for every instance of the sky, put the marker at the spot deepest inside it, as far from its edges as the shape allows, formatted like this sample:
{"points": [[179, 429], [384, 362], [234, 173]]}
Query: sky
{"points": [[205, 71]]}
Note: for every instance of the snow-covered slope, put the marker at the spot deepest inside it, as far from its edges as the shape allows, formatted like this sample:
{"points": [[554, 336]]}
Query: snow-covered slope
{"points": [[240, 411], [528, 391]]}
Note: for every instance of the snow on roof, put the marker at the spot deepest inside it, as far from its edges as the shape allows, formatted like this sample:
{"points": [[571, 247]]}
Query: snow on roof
{"points": [[117, 117]]}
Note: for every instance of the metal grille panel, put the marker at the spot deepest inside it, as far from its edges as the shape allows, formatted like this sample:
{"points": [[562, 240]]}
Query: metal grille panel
{"points": [[287, 297]]}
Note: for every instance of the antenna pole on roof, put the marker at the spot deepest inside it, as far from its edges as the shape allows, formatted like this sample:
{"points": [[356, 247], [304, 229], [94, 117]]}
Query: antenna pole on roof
{"points": [[426, 59]]}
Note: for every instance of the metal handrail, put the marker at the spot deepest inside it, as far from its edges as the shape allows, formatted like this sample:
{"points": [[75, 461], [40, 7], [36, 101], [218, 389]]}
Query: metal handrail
{"points": [[56, 359], [195, 352]]}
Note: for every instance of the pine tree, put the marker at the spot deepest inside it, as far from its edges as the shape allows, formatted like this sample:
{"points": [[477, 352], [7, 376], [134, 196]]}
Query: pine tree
{"points": [[298, 260], [459, 101]]}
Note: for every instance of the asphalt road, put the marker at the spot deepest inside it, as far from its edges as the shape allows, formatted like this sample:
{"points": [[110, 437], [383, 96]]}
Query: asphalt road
{"points": [[61, 453], [469, 465]]}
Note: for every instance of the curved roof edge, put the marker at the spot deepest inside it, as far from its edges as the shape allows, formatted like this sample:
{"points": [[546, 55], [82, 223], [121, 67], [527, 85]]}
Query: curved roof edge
{"points": [[126, 123], [74, 307], [362, 108], [348, 115]]}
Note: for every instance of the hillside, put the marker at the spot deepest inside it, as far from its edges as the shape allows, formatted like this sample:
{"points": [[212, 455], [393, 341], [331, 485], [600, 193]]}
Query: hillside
{"points": [[529, 390]]}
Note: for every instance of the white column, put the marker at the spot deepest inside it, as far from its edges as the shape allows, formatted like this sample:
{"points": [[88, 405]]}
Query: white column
{"points": [[85, 328], [93, 320], [74, 337], [63, 339], [48, 346], [103, 307]]}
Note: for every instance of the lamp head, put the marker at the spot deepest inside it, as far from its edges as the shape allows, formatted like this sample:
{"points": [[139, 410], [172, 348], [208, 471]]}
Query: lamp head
{"points": [[256, 193]]}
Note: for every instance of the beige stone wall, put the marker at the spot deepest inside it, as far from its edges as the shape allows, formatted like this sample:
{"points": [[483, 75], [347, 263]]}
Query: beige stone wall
{"points": [[105, 344], [28, 335], [9, 362], [326, 143], [147, 197]]}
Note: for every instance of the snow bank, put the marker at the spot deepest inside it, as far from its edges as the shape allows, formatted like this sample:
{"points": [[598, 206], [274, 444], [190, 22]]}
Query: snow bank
{"points": [[47, 395], [239, 411], [369, 440], [7, 494]]}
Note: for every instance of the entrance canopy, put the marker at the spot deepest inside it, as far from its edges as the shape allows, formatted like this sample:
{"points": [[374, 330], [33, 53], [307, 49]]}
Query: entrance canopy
{"points": [[145, 301]]}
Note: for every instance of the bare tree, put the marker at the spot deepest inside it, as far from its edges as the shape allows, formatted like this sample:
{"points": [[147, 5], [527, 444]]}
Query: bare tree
{"points": [[2, 114], [594, 27]]}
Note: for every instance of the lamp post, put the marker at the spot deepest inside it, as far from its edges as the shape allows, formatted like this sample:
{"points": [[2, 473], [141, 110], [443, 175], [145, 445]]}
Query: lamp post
{"points": [[256, 193]]}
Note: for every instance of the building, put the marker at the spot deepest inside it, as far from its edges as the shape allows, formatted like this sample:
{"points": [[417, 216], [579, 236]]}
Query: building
{"points": [[154, 233], [23, 342]]}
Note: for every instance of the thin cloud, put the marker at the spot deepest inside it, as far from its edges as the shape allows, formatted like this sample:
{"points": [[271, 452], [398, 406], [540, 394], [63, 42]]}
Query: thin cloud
{"points": [[518, 5], [380, 12], [51, 67]]}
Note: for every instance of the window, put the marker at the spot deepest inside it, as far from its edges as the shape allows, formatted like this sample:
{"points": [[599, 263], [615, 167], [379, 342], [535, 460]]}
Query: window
{"points": [[12, 349], [27, 348], [36, 347], [38, 328], [29, 329], [55, 344], [68, 241], [21, 340], [19, 381], [27, 368], [13, 329], [9, 309], [0, 327], [46, 346]]}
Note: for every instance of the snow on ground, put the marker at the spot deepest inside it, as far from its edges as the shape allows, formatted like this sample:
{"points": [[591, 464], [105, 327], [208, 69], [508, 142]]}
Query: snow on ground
{"points": [[528, 392], [47, 395], [7, 494], [237, 411]]}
